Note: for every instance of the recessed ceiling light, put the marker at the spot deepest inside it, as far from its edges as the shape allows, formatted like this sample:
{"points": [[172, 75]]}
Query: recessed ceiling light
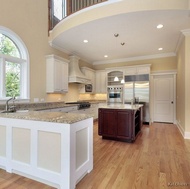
{"points": [[160, 49], [85, 41], [105, 56], [159, 26]]}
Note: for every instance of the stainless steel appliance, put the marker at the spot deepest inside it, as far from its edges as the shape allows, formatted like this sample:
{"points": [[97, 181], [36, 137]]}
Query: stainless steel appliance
{"points": [[115, 94], [136, 89]]}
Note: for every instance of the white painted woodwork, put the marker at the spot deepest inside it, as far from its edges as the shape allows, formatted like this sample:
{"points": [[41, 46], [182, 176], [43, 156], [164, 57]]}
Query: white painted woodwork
{"points": [[90, 74], [56, 74], [138, 69], [100, 81], [56, 154], [164, 98]]}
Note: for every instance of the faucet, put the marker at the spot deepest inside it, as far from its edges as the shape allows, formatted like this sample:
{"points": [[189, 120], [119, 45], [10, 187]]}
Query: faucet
{"points": [[7, 103]]}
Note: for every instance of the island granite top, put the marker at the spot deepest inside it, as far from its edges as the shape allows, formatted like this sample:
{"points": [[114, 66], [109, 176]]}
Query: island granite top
{"points": [[57, 117], [122, 106]]}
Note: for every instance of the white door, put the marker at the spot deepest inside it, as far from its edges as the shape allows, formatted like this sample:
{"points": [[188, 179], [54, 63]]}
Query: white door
{"points": [[164, 101]]}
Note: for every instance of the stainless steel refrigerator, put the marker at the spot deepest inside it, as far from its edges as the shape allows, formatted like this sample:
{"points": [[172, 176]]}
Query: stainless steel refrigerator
{"points": [[137, 87]]}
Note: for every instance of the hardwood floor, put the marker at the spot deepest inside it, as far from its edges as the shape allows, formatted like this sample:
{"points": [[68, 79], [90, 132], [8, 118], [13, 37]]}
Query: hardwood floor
{"points": [[158, 159]]}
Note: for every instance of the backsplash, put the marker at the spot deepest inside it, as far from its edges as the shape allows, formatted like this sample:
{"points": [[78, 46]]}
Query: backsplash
{"points": [[92, 96], [74, 95]]}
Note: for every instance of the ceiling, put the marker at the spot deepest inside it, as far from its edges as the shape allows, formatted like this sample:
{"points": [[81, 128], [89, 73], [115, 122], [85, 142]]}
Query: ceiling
{"points": [[137, 30]]}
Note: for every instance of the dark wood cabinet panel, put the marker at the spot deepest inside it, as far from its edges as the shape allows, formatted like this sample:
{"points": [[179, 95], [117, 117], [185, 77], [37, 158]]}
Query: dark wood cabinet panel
{"points": [[119, 124], [124, 123], [107, 121]]}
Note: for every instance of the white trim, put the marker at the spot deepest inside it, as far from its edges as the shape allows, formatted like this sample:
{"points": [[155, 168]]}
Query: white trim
{"points": [[23, 60], [186, 135], [164, 55], [164, 72], [186, 32], [67, 52]]}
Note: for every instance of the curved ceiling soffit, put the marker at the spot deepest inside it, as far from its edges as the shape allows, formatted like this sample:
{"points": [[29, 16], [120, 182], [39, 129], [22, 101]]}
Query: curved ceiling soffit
{"points": [[112, 8]]}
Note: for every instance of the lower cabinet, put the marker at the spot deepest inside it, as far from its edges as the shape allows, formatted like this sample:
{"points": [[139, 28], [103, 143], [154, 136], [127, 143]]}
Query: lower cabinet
{"points": [[119, 124]]}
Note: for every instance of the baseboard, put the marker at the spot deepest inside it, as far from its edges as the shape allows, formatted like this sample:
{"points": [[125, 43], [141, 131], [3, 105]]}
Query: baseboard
{"points": [[186, 135]]}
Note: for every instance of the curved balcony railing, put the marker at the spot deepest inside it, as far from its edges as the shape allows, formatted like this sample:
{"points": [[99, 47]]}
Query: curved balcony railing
{"points": [[59, 9]]}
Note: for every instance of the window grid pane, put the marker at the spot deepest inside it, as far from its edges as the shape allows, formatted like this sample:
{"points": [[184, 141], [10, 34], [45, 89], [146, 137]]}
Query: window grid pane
{"points": [[8, 47], [12, 79]]}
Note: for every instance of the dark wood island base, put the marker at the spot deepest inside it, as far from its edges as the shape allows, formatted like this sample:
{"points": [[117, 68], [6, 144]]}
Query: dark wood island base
{"points": [[120, 124]]}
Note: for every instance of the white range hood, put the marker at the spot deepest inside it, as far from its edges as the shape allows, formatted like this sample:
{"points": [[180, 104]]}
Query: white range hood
{"points": [[75, 74]]}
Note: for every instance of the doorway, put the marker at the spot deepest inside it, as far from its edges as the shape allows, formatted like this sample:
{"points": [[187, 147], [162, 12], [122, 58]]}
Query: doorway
{"points": [[164, 98]]}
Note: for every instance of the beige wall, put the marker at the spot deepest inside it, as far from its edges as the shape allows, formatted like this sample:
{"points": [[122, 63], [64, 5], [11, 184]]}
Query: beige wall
{"points": [[29, 20], [187, 83], [183, 87]]}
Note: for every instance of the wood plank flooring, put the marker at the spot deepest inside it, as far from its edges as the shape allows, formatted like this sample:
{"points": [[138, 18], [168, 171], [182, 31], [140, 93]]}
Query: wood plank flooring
{"points": [[158, 159]]}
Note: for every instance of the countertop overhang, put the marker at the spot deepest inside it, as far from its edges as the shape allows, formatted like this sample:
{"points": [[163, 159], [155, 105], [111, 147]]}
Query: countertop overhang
{"points": [[56, 117]]}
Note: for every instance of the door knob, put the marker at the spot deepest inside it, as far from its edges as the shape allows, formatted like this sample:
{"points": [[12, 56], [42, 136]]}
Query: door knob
{"points": [[172, 102]]}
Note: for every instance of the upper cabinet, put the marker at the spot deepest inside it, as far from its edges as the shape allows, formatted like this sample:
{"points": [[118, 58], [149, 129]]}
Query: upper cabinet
{"points": [[138, 69], [90, 74], [56, 74], [100, 81]]}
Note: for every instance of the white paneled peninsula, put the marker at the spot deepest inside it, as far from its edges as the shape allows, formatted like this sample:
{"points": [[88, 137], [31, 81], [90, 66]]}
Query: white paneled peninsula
{"points": [[52, 147]]}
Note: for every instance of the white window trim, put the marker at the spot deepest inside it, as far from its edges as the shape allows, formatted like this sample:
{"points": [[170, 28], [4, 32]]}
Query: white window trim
{"points": [[25, 76]]}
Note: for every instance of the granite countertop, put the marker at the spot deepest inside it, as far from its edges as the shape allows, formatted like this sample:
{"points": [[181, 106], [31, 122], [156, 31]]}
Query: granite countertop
{"points": [[58, 117], [32, 112], [122, 106]]}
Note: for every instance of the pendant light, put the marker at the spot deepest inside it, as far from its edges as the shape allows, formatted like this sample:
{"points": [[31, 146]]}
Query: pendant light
{"points": [[122, 81], [116, 78]]}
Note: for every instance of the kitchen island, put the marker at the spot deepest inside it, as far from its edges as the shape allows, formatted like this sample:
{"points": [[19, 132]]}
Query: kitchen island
{"points": [[120, 121], [51, 147]]}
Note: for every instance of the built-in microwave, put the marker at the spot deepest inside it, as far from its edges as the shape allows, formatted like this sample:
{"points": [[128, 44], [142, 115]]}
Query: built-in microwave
{"points": [[115, 95], [88, 88]]}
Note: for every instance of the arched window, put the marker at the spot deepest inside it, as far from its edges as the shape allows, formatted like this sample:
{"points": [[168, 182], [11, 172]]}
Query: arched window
{"points": [[14, 66]]}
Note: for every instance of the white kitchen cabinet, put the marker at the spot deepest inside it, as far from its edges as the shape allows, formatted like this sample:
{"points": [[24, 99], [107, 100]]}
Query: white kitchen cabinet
{"points": [[90, 74], [100, 81], [56, 74], [94, 110], [138, 69]]}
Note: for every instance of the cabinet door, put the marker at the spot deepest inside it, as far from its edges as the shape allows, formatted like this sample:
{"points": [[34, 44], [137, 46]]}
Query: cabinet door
{"points": [[143, 70], [56, 75], [130, 71], [124, 124], [107, 123], [61, 76], [100, 81]]}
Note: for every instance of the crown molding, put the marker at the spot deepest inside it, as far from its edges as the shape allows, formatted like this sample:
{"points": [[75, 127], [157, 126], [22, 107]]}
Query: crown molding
{"points": [[185, 32], [67, 52], [135, 58]]}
